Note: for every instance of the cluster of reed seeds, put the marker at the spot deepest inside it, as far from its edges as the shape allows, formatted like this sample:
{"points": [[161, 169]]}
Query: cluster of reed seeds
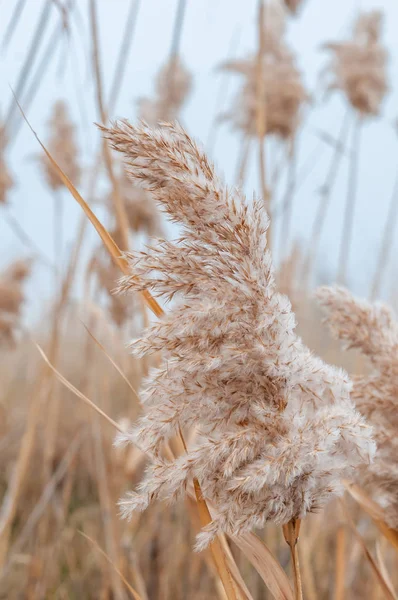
{"points": [[244, 465]]}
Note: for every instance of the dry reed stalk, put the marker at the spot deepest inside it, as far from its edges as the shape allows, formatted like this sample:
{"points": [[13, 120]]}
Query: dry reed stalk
{"points": [[16, 14], [386, 246], [142, 213], [107, 512], [340, 562], [119, 205], [134, 594], [287, 215], [349, 213], [47, 55], [221, 95], [261, 107], [382, 566], [243, 161], [375, 511], [6, 180], [58, 230], [26, 240], [77, 393], [10, 501], [53, 399], [42, 505], [324, 201], [113, 363], [117, 81], [178, 28], [173, 82], [216, 550], [291, 532], [384, 584], [266, 565], [30, 57], [62, 145], [120, 210], [307, 569], [127, 40]]}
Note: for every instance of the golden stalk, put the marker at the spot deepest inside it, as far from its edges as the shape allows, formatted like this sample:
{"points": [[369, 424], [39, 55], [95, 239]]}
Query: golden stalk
{"points": [[291, 533]]}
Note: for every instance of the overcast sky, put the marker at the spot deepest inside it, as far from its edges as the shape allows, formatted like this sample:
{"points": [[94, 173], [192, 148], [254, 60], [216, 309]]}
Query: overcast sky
{"points": [[210, 27]]}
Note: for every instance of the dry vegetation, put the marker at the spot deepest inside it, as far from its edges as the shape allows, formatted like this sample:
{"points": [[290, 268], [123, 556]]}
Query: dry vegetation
{"points": [[247, 466]]}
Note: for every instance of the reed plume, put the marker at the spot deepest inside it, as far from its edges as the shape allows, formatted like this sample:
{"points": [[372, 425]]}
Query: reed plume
{"points": [[11, 298], [373, 329], [141, 210], [358, 66], [277, 427], [284, 92], [173, 85], [62, 146], [6, 180], [119, 308], [293, 5]]}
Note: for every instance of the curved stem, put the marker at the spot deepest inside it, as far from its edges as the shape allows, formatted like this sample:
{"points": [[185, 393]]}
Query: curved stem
{"points": [[242, 161], [348, 225], [325, 196], [387, 242], [287, 208], [261, 111], [291, 533]]}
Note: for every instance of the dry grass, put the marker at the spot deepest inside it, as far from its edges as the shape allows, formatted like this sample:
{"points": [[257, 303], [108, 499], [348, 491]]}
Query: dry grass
{"points": [[249, 388]]}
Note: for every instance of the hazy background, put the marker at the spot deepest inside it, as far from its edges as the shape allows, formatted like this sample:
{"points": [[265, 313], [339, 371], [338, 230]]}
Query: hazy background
{"points": [[211, 29]]}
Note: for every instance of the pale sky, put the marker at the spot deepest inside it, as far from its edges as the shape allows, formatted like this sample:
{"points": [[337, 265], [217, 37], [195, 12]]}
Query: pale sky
{"points": [[209, 27]]}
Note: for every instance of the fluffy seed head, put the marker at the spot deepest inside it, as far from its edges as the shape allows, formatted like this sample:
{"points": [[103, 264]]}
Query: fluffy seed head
{"points": [[373, 329], [141, 210], [277, 429], [62, 146], [12, 297], [285, 94], [358, 66], [173, 85]]}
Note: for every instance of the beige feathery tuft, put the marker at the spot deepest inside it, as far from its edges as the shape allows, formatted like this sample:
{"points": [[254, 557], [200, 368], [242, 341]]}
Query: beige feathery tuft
{"points": [[6, 181], [173, 85], [373, 329], [277, 427], [62, 146], [358, 66], [284, 91], [11, 298], [142, 212]]}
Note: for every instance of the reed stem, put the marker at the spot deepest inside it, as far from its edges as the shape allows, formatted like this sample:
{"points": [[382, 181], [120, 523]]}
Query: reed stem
{"points": [[348, 225], [387, 243], [291, 533], [324, 201]]}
